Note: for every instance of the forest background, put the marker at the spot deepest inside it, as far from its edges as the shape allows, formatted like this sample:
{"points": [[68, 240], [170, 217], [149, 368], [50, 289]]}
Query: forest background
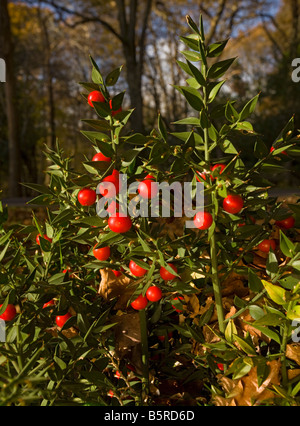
{"points": [[46, 47]]}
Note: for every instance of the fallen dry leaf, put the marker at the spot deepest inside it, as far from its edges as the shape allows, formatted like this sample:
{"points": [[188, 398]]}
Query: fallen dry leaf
{"points": [[128, 338], [245, 391], [293, 352], [112, 287]]}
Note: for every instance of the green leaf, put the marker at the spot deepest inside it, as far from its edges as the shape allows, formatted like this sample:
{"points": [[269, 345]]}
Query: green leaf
{"points": [[276, 293], [218, 69], [262, 372], [92, 136], [216, 87], [193, 121], [231, 113], [214, 50], [272, 264], [38, 188], [267, 332], [42, 200], [191, 41], [227, 146], [102, 109], [230, 331], [245, 346], [113, 76], [192, 96], [96, 77], [96, 74], [192, 25], [286, 246], [63, 216], [162, 128], [201, 27], [249, 108], [89, 86], [195, 72], [256, 312], [10, 299], [137, 139], [204, 319], [117, 101], [3, 252], [286, 132], [269, 319], [191, 56], [260, 149], [241, 371], [100, 125]]}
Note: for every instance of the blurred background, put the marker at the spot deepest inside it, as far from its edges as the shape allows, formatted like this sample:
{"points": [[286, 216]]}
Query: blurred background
{"points": [[46, 47]]}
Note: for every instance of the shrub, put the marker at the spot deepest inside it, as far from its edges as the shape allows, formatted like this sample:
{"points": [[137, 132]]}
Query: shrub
{"points": [[225, 318]]}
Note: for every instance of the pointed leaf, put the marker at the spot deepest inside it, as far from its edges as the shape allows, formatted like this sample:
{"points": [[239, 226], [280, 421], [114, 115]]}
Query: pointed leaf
{"points": [[286, 245], [276, 293], [113, 76], [218, 69]]}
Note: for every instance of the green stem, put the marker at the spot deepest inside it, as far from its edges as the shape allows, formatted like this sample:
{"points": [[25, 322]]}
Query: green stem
{"points": [[283, 351], [145, 355], [213, 243]]}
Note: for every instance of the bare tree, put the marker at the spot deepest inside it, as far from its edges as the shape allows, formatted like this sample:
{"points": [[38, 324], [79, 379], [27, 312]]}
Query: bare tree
{"points": [[7, 53], [132, 19]]}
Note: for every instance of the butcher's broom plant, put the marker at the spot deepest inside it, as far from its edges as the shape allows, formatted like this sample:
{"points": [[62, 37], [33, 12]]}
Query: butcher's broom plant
{"points": [[118, 298]]}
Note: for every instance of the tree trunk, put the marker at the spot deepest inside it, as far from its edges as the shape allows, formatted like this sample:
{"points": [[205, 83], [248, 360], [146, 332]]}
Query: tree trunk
{"points": [[134, 80], [7, 52], [134, 53], [48, 78]]}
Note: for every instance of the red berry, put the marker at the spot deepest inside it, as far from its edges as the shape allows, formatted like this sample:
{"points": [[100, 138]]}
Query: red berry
{"points": [[136, 270], [203, 175], [150, 177], [203, 220], [287, 223], [220, 366], [111, 190], [9, 313], [62, 319], [37, 239], [111, 394], [114, 112], [174, 307], [95, 96], [140, 303], [118, 374], [101, 157], [111, 206], [119, 223], [165, 274], [101, 253], [50, 303], [148, 189], [117, 273], [220, 166], [266, 245], [154, 294], [233, 204], [87, 197]]}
